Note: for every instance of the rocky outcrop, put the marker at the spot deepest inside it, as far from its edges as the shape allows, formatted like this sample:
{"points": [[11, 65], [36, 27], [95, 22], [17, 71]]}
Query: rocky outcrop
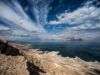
{"points": [[20, 59], [15, 65]]}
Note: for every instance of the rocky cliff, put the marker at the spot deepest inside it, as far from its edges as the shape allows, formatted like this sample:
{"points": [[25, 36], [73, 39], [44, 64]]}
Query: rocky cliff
{"points": [[18, 59]]}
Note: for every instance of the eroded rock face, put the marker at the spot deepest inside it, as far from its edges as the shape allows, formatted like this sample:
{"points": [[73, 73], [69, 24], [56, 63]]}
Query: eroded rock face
{"points": [[30, 61], [52, 64], [15, 65]]}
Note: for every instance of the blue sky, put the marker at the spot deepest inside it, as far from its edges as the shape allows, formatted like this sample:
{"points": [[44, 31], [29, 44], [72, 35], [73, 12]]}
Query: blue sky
{"points": [[50, 19]]}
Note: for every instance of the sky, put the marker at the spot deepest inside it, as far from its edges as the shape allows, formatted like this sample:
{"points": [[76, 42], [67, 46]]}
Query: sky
{"points": [[52, 20]]}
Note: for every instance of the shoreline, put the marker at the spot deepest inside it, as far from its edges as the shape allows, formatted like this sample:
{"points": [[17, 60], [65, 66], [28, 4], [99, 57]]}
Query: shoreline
{"points": [[24, 60]]}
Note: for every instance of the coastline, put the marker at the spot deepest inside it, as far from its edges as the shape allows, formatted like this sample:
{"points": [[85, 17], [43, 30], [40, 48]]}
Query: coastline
{"points": [[24, 60]]}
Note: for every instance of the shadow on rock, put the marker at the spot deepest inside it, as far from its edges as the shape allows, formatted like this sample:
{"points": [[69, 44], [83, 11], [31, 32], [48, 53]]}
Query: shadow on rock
{"points": [[34, 70], [6, 49]]}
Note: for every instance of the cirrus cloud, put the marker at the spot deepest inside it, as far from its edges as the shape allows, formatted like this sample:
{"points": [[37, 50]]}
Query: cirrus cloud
{"points": [[85, 17]]}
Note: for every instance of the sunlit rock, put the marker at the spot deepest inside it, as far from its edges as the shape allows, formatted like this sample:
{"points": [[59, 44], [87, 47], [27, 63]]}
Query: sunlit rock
{"points": [[18, 59]]}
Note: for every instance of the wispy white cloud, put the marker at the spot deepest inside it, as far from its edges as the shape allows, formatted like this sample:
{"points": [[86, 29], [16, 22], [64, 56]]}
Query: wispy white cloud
{"points": [[20, 25], [40, 9], [7, 13], [3, 27], [82, 19], [86, 17]]}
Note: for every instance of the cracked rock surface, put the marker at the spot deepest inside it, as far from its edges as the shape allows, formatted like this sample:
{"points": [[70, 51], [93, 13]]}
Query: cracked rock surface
{"points": [[18, 59]]}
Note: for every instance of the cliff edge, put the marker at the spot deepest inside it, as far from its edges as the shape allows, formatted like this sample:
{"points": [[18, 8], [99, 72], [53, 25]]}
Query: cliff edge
{"points": [[18, 59]]}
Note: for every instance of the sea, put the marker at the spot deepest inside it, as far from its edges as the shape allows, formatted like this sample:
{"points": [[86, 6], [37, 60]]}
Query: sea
{"points": [[86, 50]]}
